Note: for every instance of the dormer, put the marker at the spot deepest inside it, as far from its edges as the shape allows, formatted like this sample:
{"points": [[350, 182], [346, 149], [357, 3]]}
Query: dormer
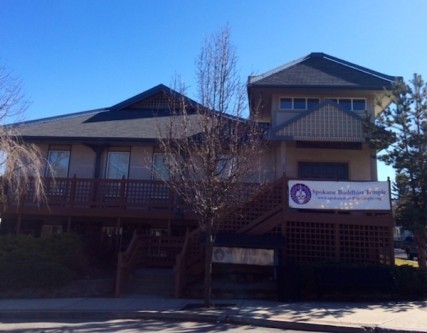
{"points": [[302, 85]]}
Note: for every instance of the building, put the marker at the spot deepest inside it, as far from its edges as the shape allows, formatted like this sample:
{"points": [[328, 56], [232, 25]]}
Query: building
{"points": [[105, 162]]}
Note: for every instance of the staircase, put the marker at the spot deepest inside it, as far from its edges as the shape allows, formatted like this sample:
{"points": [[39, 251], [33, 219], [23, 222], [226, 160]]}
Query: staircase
{"points": [[144, 252], [258, 216], [261, 215], [243, 283], [153, 282]]}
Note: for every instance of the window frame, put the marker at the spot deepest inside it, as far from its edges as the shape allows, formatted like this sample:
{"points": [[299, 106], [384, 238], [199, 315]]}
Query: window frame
{"points": [[292, 100], [164, 172], [108, 165], [49, 170], [324, 172], [352, 99]]}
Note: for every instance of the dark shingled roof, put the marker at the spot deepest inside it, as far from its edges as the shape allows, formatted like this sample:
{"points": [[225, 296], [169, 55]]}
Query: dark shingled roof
{"points": [[120, 122], [319, 70]]}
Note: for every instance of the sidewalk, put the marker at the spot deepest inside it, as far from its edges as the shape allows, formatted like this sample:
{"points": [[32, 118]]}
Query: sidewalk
{"points": [[327, 317]]}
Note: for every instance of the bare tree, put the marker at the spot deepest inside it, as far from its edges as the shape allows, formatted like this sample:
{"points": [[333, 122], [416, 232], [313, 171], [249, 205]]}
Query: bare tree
{"points": [[211, 149], [21, 163]]}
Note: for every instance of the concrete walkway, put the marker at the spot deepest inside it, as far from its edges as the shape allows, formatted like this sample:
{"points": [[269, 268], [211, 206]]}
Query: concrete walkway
{"points": [[327, 317]]}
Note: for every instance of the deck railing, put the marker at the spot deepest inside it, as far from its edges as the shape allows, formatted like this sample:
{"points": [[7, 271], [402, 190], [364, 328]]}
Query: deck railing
{"points": [[119, 194], [87, 193]]}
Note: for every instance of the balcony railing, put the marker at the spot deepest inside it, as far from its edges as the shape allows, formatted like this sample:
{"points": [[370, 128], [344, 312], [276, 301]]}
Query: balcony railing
{"points": [[99, 193], [65, 195]]}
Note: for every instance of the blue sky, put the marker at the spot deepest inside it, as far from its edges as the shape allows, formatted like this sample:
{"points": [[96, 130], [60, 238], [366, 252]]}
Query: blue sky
{"points": [[75, 55]]}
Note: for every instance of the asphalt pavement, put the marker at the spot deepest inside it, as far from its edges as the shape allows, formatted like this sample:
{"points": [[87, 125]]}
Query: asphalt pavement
{"points": [[320, 316]]}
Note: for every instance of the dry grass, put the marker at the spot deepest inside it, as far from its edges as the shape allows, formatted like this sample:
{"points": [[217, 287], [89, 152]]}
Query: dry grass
{"points": [[401, 262]]}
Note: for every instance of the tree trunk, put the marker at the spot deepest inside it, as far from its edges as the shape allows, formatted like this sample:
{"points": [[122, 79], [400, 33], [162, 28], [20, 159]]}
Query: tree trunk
{"points": [[208, 267], [422, 263]]}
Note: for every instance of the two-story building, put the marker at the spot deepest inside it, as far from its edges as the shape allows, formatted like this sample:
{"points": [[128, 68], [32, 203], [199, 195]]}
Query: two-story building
{"points": [[324, 199]]}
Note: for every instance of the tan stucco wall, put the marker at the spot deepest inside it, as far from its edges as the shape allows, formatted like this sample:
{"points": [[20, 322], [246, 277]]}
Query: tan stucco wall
{"points": [[264, 167], [82, 162], [140, 162], [361, 164]]}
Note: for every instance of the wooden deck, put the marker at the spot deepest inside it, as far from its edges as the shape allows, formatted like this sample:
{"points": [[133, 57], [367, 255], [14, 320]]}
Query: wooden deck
{"points": [[86, 197], [97, 197]]}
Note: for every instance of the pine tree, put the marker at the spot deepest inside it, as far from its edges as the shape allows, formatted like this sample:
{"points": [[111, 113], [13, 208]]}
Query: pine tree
{"points": [[404, 120]]}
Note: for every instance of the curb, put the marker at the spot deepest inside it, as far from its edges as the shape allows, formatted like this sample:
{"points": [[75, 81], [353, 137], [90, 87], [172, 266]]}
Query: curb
{"points": [[194, 317], [180, 316]]}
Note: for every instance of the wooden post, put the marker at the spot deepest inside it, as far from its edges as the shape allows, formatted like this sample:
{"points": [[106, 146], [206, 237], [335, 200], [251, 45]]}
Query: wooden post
{"points": [[122, 193], [393, 222], [73, 191], [18, 224], [119, 275], [68, 224]]}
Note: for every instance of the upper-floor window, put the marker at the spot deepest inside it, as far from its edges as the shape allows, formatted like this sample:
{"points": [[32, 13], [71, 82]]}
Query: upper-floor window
{"points": [[300, 103], [350, 104], [59, 160], [306, 103], [159, 169], [323, 170], [117, 165]]}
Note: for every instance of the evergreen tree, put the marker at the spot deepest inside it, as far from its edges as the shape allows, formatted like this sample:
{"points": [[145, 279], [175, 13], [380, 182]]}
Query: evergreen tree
{"points": [[404, 121]]}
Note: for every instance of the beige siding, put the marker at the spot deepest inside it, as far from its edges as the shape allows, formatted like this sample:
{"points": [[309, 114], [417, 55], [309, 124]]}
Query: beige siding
{"points": [[141, 162], [264, 168], [360, 161], [82, 162]]}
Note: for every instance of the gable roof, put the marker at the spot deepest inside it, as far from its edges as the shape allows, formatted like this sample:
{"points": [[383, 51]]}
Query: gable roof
{"points": [[319, 70], [327, 122], [138, 118]]}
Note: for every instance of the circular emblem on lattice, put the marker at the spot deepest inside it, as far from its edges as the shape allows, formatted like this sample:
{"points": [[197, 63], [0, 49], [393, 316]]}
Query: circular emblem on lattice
{"points": [[219, 254], [300, 194]]}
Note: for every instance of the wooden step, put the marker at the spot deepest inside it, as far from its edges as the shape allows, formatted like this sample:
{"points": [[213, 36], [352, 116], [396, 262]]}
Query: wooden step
{"points": [[237, 285], [151, 281]]}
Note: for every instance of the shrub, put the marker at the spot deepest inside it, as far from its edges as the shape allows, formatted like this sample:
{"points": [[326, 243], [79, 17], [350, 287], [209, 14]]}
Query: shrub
{"points": [[411, 282], [339, 282], [28, 262]]}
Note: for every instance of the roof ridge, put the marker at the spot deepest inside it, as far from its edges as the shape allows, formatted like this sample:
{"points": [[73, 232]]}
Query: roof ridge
{"points": [[256, 78], [365, 70], [359, 68], [63, 116]]}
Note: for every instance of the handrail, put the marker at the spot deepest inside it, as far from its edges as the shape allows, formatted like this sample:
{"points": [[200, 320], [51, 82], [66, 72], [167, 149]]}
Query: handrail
{"points": [[101, 193], [181, 262], [89, 193]]}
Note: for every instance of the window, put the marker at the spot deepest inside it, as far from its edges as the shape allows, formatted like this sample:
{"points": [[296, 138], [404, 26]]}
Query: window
{"points": [[117, 165], [323, 170], [58, 161], [312, 102], [350, 104], [225, 166], [359, 104], [300, 104], [159, 170], [345, 103], [288, 103]]}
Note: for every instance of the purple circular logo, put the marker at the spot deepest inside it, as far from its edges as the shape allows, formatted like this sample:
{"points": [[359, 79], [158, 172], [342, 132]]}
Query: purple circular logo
{"points": [[300, 194]]}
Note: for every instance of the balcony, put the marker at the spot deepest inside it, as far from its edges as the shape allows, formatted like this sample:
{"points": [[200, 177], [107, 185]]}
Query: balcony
{"points": [[98, 197], [127, 198]]}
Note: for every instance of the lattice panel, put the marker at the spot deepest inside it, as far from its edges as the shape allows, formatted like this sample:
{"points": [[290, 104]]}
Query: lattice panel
{"points": [[306, 241], [311, 241], [364, 243], [266, 200], [159, 101]]}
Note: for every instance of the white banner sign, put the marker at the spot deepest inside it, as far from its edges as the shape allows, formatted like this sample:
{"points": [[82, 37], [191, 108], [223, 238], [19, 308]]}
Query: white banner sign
{"points": [[237, 255], [339, 195]]}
